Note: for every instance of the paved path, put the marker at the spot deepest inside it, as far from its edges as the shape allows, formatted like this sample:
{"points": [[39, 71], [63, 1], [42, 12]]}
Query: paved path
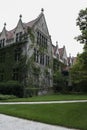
{"points": [[13, 123], [47, 102]]}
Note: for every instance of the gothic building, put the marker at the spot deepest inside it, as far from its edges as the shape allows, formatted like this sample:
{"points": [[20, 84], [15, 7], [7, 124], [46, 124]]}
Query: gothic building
{"points": [[60, 61], [26, 54]]}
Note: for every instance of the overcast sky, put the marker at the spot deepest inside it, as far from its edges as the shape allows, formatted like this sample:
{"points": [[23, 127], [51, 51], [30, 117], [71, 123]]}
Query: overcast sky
{"points": [[60, 16]]}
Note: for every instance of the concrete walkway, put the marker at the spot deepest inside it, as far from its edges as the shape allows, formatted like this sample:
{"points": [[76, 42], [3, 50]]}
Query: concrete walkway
{"points": [[47, 102], [13, 123]]}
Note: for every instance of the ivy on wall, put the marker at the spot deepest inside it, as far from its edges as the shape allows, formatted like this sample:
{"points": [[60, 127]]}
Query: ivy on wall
{"points": [[31, 34], [28, 70], [8, 63]]}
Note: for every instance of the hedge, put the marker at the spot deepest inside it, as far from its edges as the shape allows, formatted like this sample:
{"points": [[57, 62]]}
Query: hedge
{"points": [[12, 88], [80, 86]]}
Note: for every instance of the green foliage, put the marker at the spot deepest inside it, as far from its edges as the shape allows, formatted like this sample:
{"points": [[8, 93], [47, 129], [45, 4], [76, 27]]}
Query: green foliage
{"points": [[79, 70], [6, 97], [56, 65], [9, 63], [80, 86], [50, 97], [60, 83], [82, 23], [12, 88], [31, 34]]}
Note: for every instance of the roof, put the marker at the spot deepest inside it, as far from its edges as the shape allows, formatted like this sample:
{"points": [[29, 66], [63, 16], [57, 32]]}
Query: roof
{"points": [[10, 34], [61, 50]]}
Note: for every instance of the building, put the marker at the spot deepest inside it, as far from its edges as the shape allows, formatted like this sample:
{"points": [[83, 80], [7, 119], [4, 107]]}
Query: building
{"points": [[60, 61], [26, 54]]}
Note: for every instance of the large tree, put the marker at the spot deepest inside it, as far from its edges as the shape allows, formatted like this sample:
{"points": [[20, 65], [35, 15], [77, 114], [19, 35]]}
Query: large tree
{"points": [[82, 23], [79, 70]]}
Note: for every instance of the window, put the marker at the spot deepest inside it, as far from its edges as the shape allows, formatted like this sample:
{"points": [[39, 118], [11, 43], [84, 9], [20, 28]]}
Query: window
{"points": [[41, 59], [45, 43], [17, 54], [41, 40], [19, 37], [36, 55], [15, 74], [38, 38], [47, 60], [2, 43]]}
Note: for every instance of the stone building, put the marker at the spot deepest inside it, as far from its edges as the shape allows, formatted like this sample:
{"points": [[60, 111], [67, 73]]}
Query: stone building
{"points": [[26, 54], [60, 61]]}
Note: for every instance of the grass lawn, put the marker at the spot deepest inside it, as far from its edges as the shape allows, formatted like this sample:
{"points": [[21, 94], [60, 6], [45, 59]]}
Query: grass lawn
{"points": [[54, 97], [73, 115]]}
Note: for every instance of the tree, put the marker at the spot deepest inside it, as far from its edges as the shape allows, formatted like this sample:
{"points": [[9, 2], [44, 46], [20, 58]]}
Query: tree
{"points": [[82, 23], [79, 70]]}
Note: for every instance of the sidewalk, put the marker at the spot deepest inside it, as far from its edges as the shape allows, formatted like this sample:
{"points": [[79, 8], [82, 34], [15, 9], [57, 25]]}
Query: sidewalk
{"points": [[13, 123], [47, 102]]}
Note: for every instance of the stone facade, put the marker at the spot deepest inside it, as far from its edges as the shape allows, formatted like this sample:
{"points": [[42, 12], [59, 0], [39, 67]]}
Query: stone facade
{"points": [[60, 60], [33, 43]]}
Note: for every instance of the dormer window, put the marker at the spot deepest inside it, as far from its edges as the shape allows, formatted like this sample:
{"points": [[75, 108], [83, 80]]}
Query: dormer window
{"points": [[18, 37], [2, 43]]}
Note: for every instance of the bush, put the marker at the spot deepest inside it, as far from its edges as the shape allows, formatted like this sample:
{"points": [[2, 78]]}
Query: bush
{"points": [[81, 86], [6, 97], [60, 83], [12, 88]]}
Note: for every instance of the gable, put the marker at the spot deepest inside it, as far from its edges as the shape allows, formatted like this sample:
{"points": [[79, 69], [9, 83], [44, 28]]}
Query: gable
{"points": [[41, 25], [19, 27]]}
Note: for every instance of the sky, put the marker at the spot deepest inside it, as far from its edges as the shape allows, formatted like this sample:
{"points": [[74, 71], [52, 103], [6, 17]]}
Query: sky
{"points": [[60, 17]]}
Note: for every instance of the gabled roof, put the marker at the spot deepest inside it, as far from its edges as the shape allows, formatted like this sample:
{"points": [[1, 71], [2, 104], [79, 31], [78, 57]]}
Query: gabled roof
{"points": [[33, 22], [10, 34]]}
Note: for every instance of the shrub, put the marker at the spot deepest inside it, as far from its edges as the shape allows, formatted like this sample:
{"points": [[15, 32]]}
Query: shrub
{"points": [[12, 88], [81, 86], [60, 83], [5, 97]]}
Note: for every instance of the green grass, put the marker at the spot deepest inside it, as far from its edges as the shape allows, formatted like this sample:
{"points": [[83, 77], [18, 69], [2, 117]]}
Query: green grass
{"points": [[73, 115], [55, 97]]}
